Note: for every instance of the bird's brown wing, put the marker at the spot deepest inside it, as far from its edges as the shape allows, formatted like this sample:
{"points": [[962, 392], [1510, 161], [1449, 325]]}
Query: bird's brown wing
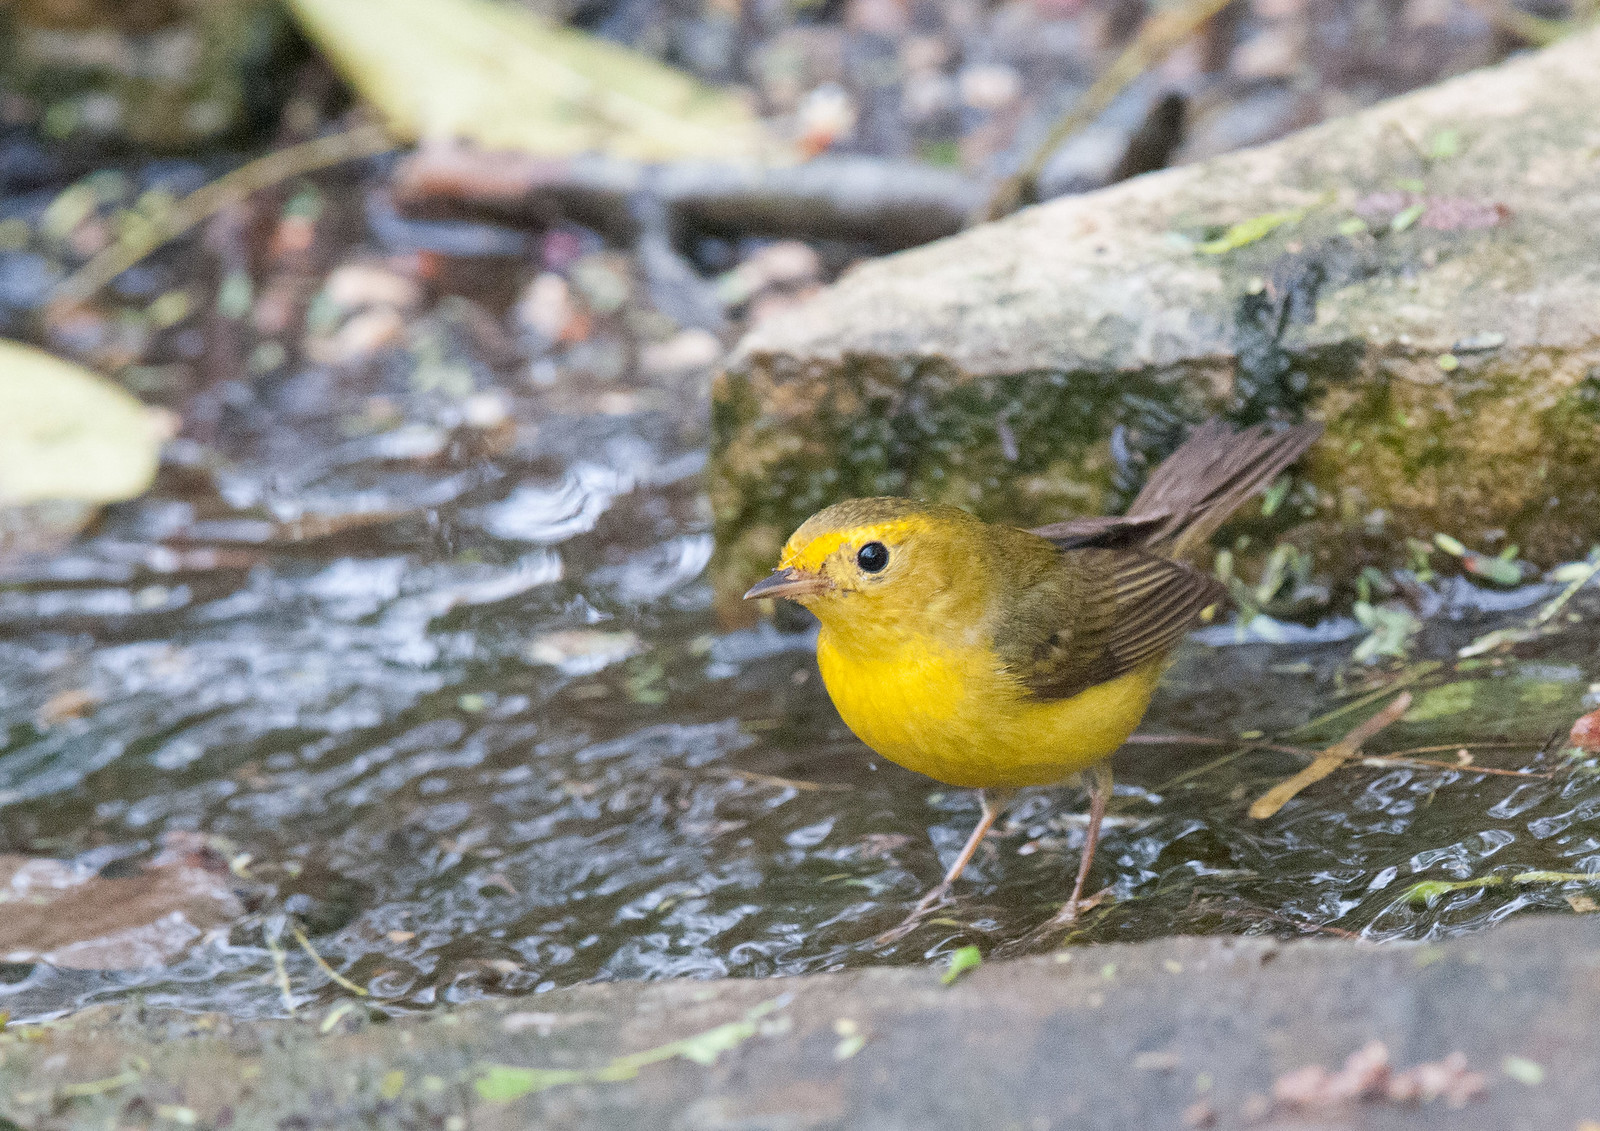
{"points": [[1097, 615], [1193, 491]]}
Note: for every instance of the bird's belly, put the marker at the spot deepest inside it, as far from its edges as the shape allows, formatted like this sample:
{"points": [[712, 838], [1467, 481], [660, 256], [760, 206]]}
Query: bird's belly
{"points": [[956, 716]]}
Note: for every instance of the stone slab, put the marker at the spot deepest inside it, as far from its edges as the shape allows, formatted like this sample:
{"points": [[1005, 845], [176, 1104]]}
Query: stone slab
{"points": [[1112, 1037]]}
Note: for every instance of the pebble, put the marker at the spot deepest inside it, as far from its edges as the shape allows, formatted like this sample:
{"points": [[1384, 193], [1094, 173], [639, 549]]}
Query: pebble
{"points": [[357, 285], [825, 116], [786, 264], [683, 353], [546, 307], [364, 335], [990, 86]]}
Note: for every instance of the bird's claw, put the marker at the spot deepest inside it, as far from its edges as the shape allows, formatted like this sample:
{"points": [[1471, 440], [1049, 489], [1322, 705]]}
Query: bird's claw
{"points": [[1073, 908], [1069, 916]]}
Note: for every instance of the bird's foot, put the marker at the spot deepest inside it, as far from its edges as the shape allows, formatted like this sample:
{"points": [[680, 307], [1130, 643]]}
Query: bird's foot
{"points": [[936, 897], [1072, 908], [1069, 916]]}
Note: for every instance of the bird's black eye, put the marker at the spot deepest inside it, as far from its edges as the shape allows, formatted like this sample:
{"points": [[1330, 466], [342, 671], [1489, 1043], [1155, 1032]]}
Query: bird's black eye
{"points": [[872, 557]]}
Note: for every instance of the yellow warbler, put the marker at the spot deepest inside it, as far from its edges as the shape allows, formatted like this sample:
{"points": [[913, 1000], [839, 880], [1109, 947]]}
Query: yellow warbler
{"points": [[987, 656]]}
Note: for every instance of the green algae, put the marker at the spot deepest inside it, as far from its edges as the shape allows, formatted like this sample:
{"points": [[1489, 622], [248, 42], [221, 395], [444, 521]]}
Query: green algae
{"points": [[502, 1083]]}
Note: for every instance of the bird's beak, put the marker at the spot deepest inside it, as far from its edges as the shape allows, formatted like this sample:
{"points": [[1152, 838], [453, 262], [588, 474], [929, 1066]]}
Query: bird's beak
{"points": [[789, 583]]}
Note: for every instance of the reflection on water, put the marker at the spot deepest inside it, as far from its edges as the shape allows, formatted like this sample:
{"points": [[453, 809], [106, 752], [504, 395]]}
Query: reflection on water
{"points": [[462, 710]]}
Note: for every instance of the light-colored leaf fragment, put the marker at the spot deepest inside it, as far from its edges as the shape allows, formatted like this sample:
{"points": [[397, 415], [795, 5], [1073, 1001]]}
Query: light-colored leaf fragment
{"points": [[1407, 217], [1443, 701], [1425, 893], [1444, 144], [1523, 1070], [66, 434], [503, 1083], [961, 960], [499, 76], [1247, 232]]}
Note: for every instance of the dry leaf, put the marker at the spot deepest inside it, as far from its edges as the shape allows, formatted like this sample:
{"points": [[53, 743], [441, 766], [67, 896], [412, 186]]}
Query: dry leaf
{"points": [[1446, 1079], [54, 912], [66, 434], [1366, 1075], [1586, 732], [501, 77]]}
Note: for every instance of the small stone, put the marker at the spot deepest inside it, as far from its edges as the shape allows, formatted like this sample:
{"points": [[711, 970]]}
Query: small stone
{"points": [[365, 335], [924, 54], [1273, 53], [924, 97], [582, 651], [603, 281], [878, 17], [485, 410], [787, 263], [275, 310], [824, 116], [546, 307], [293, 236], [1488, 340], [991, 86], [65, 705], [684, 353], [356, 285]]}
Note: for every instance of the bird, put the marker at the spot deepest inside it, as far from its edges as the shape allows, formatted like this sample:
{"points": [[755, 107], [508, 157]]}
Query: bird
{"points": [[995, 658]]}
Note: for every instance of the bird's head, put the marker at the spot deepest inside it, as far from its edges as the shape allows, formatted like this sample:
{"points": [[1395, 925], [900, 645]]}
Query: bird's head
{"points": [[875, 558]]}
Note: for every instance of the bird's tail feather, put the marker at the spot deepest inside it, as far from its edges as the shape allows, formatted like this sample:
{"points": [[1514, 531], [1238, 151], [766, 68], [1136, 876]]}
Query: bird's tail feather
{"points": [[1210, 476]]}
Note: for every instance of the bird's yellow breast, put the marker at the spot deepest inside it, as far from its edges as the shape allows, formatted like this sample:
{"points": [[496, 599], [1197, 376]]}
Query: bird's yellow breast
{"points": [[952, 712]]}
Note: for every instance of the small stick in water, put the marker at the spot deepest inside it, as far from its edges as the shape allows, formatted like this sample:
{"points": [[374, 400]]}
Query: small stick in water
{"points": [[1330, 759]]}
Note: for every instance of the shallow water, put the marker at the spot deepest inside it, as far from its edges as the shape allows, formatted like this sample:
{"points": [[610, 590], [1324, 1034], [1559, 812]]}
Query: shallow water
{"points": [[490, 738], [422, 649]]}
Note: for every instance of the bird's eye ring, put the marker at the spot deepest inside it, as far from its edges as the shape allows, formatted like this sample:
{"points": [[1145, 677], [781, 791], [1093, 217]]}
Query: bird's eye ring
{"points": [[872, 557]]}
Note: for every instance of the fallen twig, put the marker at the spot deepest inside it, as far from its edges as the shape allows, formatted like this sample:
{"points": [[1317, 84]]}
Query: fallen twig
{"points": [[773, 779], [1555, 606], [764, 779], [1159, 37], [1330, 759], [1412, 751], [338, 978], [274, 168], [280, 968], [1399, 758], [1383, 761], [1405, 679], [889, 204]]}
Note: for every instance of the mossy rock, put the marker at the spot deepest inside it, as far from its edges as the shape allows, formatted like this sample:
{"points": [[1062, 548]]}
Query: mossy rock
{"points": [[162, 74], [1423, 277]]}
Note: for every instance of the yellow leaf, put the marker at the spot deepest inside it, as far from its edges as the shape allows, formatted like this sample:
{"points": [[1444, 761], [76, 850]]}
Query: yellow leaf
{"points": [[66, 434], [501, 77]]}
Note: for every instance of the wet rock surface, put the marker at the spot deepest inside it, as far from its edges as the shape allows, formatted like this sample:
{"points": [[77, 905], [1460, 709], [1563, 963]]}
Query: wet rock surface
{"points": [[1421, 276], [1182, 1032]]}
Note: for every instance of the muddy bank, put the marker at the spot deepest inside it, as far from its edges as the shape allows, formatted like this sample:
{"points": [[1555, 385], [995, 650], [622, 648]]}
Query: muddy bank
{"points": [[1181, 1032], [1421, 276]]}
